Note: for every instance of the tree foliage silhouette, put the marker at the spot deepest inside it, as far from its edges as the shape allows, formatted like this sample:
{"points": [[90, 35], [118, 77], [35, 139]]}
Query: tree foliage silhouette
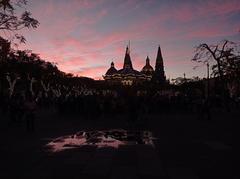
{"points": [[225, 55], [11, 21], [225, 61]]}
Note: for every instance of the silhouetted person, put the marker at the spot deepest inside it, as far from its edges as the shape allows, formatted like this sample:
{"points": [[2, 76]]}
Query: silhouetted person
{"points": [[30, 108], [132, 112], [143, 109], [3, 104], [16, 108], [13, 108], [206, 109]]}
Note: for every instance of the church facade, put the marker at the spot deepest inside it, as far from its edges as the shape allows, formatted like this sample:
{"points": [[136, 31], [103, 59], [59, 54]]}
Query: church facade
{"points": [[129, 76]]}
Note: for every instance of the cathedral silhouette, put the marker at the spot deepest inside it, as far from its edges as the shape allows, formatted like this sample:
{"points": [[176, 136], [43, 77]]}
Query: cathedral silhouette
{"points": [[129, 76]]}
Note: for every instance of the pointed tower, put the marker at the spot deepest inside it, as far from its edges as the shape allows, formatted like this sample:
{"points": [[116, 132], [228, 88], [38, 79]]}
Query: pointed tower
{"points": [[127, 60], [159, 74], [147, 61]]}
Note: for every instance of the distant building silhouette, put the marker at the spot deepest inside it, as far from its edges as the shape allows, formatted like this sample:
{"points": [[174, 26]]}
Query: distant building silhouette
{"points": [[129, 76]]}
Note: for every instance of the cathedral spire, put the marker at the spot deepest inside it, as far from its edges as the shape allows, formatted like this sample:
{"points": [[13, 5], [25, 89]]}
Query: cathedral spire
{"points": [[127, 60], [112, 64], [159, 59], [159, 75], [147, 61]]}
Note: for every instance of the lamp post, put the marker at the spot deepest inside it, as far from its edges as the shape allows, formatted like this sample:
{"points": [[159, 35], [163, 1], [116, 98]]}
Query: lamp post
{"points": [[207, 80]]}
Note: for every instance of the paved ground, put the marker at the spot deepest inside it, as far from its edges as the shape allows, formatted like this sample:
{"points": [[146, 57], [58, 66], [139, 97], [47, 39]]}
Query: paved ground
{"points": [[184, 148]]}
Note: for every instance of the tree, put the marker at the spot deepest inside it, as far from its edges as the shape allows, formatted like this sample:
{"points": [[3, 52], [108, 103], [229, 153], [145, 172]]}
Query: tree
{"points": [[205, 53], [11, 22], [224, 54], [231, 62], [226, 62]]}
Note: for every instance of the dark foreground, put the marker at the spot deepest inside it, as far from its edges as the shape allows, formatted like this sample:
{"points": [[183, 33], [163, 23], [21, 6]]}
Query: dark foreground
{"points": [[183, 147]]}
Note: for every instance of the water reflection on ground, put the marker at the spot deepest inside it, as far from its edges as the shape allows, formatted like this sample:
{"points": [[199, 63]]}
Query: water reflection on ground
{"points": [[105, 138]]}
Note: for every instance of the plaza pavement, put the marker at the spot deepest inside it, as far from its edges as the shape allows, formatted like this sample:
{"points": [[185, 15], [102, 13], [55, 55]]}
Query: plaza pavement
{"points": [[184, 147]]}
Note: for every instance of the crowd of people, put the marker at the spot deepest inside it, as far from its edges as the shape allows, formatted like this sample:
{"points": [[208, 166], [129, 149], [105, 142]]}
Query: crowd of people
{"points": [[87, 102], [90, 103]]}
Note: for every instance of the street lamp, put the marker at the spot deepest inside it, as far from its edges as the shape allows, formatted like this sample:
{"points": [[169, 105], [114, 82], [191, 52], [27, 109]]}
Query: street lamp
{"points": [[207, 80]]}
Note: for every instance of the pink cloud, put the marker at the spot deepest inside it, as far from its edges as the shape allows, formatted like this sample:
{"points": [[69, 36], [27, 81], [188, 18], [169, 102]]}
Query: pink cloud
{"points": [[74, 40], [221, 8], [185, 12], [93, 72]]}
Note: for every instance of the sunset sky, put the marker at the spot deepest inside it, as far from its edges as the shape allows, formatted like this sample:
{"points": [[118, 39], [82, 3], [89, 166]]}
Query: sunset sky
{"points": [[83, 37]]}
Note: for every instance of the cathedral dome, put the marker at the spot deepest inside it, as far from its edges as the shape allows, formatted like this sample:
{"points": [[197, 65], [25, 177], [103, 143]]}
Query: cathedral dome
{"points": [[147, 69], [112, 70]]}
